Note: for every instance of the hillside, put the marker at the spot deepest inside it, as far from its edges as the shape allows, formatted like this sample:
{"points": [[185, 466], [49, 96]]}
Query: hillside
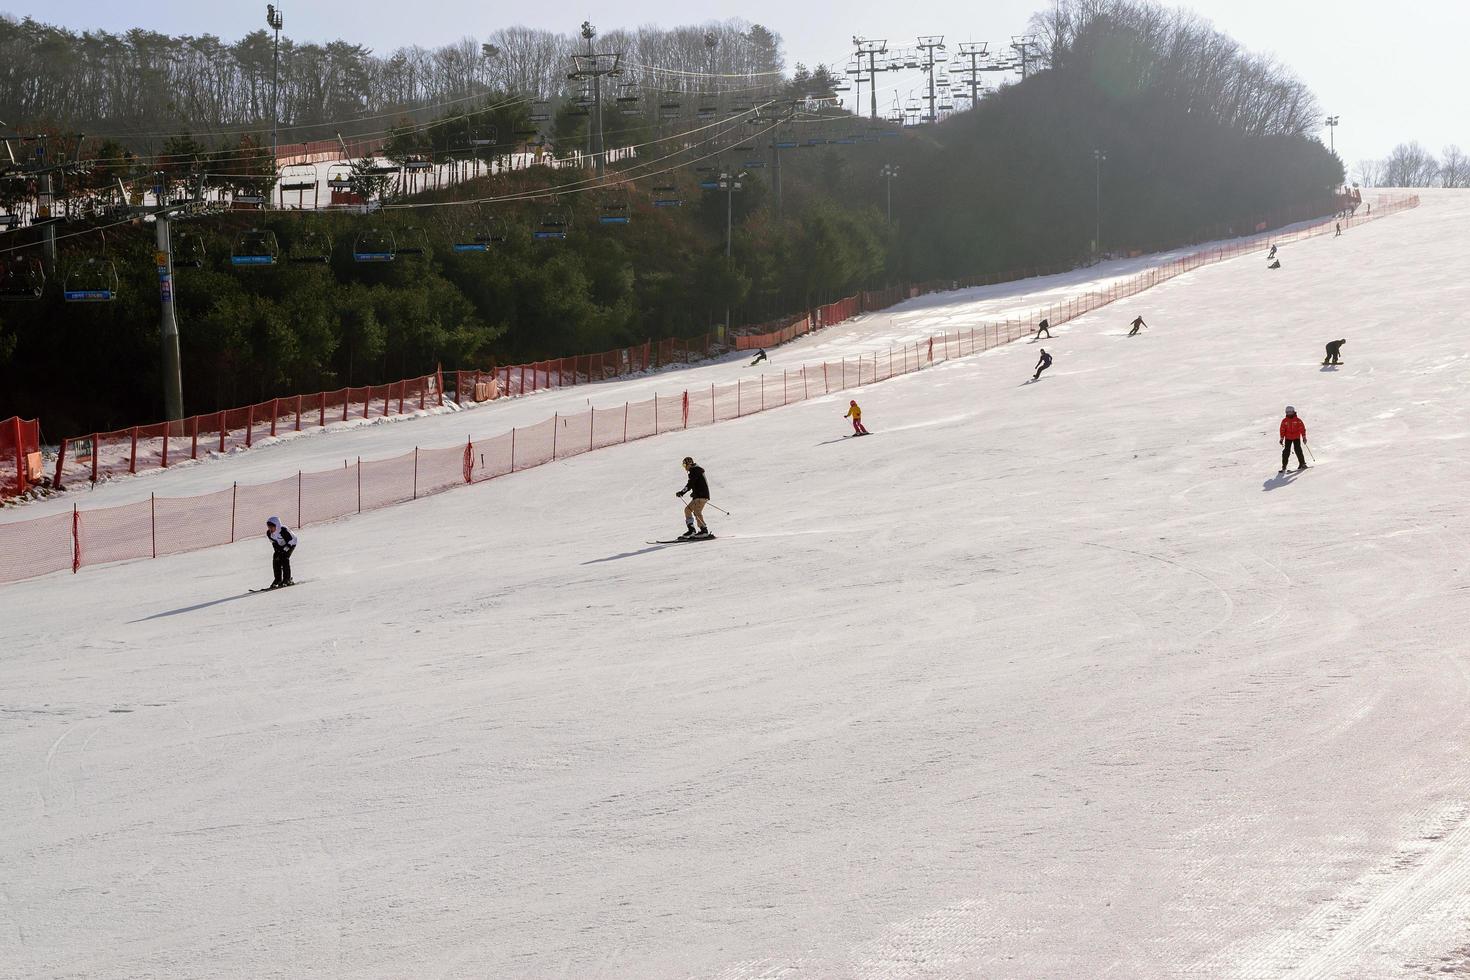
{"points": [[1052, 679]]}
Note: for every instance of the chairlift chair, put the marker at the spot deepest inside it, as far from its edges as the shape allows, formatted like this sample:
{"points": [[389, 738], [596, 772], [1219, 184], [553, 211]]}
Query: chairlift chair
{"points": [[667, 196], [614, 211], [297, 179], [554, 225], [188, 251], [311, 247], [255, 247], [418, 164], [339, 176], [627, 99], [376, 245], [540, 111], [9, 222], [94, 281], [22, 277], [415, 241]]}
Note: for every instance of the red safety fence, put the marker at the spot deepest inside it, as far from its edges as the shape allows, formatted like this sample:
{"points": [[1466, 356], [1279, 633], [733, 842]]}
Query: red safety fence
{"points": [[144, 447], [20, 455], [164, 526], [508, 381]]}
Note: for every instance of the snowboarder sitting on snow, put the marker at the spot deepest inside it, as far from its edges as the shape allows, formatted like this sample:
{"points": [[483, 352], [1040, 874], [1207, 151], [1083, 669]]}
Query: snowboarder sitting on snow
{"points": [[760, 355], [1334, 350], [1044, 327], [856, 414], [1293, 432], [1137, 322], [698, 487], [1275, 265], [284, 542], [1042, 364]]}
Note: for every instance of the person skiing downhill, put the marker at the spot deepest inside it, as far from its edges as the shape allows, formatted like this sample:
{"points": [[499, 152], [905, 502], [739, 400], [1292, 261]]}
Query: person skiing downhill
{"points": [[283, 542], [856, 414], [1293, 433], [1044, 327], [1271, 254], [1137, 322], [698, 488], [1041, 365], [1334, 351], [760, 355]]}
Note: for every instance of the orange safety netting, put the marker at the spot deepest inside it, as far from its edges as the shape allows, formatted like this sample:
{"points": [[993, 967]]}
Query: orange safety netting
{"points": [[161, 526]]}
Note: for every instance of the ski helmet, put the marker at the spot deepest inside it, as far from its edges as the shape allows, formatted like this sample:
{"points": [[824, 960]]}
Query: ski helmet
{"points": [[1290, 410]]}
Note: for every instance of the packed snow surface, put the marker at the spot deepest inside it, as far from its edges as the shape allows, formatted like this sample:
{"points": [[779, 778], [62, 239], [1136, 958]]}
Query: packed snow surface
{"points": [[1046, 680]]}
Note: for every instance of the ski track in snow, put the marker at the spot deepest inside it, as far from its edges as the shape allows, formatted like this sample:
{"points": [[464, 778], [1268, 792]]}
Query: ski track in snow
{"points": [[1041, 683]]}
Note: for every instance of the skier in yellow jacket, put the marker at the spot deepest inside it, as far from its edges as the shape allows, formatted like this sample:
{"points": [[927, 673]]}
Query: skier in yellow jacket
{"points": [[856, 414]]}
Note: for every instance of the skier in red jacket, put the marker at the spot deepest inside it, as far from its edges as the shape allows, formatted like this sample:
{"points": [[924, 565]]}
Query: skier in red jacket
{"points": [[1293, 433]]}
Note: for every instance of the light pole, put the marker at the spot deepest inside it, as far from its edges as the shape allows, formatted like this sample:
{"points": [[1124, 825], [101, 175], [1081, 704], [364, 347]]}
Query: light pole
{"points": [[1098, 157], [274, 21], [889, 171], [1332, 132]]}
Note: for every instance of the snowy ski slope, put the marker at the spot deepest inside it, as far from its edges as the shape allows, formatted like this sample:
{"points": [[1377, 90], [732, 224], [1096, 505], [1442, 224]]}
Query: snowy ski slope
{"points": [[1043, 680], [316, 449]]}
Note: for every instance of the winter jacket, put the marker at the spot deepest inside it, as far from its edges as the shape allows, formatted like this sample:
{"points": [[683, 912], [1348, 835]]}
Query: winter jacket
{"points": [[853, 411], [281, 537], [1292, 427], [697, 484], [1045, 361]]}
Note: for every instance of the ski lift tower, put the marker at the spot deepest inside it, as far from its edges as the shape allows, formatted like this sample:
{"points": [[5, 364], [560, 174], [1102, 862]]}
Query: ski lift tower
{"points": [[596, 66], [869, 48], [162, 212], [1026, 48], [976, 52], [275, 22], [929, 44]]}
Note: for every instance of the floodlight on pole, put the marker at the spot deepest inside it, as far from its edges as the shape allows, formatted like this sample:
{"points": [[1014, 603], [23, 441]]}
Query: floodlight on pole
{"points": [[1332, 122]]}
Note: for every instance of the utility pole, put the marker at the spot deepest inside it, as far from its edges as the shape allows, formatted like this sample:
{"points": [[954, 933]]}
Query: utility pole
{"points": [[929, 44], [1332, 131], [1098, 157], [871, 48], [889, 171], [275, 22], [595, 66]]}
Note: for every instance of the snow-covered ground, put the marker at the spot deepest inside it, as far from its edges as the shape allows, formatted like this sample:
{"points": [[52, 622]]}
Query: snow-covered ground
{"points": [[1052, 680], [380, 438]]}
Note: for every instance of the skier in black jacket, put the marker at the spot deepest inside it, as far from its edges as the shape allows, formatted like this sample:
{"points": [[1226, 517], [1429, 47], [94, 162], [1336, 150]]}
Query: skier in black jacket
{"points": [[1042, 364], [284, 542], [698, 489]]}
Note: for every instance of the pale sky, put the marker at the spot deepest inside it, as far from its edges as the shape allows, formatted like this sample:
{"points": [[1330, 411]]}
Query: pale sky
{"points": [[1393, 73]]}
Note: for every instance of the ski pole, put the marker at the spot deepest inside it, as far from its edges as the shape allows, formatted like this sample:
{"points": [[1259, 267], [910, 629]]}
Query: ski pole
{"points": [[721, 510], [1309, 450]]}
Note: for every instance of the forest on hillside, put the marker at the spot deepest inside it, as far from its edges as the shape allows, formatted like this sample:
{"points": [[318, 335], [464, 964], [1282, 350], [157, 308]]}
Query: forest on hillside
{"points": [[1199, 137]]}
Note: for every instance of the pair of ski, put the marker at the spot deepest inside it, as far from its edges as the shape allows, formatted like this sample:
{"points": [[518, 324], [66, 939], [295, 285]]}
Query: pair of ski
{"points": [[274, 588], [681, 540]]}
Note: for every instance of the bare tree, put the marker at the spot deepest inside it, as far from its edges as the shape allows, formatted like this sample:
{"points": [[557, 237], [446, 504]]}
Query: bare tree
{"points": [[1454, 167], [1409, 165], [1370, 172]]}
